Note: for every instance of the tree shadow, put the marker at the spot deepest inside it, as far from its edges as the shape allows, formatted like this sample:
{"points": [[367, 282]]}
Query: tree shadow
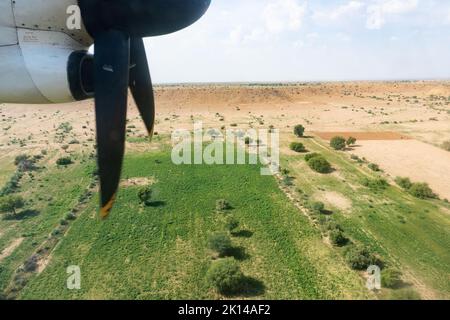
{"points": [[249, 287], [156, 204], [326, 212], [238, 253], [25, 214], [242, 234]]}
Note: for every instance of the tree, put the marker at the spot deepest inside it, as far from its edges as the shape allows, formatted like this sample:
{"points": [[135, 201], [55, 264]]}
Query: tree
{"points": [[338, 143], [225, 275], [297, 147], [351, 141], [319, 164], [220, 242], [9, 204], [360, 258], [145, 195], [299, 130]]}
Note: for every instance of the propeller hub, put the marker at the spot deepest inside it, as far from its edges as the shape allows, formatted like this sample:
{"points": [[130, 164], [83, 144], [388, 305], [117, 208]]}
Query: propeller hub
{"points": [[141, 18]]}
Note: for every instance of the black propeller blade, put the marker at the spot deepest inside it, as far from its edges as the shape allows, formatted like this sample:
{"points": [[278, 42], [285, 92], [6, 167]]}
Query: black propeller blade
{"points": [[111, 61], [141, 84], [117, 27]]}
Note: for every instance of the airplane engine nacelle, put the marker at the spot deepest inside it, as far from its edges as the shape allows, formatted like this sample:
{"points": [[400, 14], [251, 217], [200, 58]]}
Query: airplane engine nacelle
{"points": [[45, 67]]}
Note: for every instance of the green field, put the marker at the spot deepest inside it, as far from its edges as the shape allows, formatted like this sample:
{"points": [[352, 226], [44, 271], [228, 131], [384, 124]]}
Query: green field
{"points": [[161, 251], [412, 235]]}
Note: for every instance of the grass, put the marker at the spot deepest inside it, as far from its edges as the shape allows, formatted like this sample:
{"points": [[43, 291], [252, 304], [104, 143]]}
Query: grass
{"points": [[161, 251], [49, 197], [410, 233]]}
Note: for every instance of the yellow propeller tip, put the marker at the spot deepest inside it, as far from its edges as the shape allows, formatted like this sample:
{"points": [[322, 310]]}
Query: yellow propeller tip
{"points": [[106, 209]]}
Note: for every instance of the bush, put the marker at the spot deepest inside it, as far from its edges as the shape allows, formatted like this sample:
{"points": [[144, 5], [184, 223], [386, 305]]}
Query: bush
{"points": [[319, 164], [374, 167], [299, 130], [223, 205], [64, 161], [145, 195], [231, 223], [225, 275], [297, 147], [317, 206], [360, 258], [391, 278], [9, 204], [446, 145], [404, 183], [338, 143], [421, 191], [351, 141], [375, 184], [338, 238], [221, 243], [309, 156]]}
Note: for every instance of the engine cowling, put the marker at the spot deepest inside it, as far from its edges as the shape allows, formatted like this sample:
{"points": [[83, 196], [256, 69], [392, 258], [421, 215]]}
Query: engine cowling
{"points": [[45, 67]]}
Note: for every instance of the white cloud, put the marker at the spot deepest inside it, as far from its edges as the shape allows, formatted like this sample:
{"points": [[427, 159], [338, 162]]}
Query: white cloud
{"points": [[345, 11], [378, 12], [282, 15]]}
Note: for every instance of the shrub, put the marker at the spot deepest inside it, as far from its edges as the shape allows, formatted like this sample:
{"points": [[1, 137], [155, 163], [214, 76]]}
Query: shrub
{"points": [[317, 206], [145, 195], [225, 275], [375, 184], [9, 204], [404, 183], [374, 167], [319, 164], [351, 141], [360, 258], [70, 216], [247, 140], [338, 238], [338, 143], [220, 242], [309, 156], [297, 147], [391, 278], [446, 145], [299, 130], [223, 205], [231, 223], [421, 191], [64, 161]]}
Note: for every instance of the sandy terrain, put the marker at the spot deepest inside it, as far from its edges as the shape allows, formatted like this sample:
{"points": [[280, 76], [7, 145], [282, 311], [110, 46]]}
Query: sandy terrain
{"points": [[411, 158], [388, 110]]}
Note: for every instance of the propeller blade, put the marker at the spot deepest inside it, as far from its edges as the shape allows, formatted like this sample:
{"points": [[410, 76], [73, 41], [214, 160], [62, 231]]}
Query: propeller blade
{"points": [[141, 84], [111, 61]]}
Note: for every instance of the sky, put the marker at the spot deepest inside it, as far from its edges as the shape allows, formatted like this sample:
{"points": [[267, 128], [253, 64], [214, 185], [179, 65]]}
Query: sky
{"points": [[315, 40]]}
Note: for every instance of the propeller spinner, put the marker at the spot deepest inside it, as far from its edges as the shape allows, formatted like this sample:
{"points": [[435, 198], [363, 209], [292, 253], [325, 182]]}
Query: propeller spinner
{"points": [[120, 61]]}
